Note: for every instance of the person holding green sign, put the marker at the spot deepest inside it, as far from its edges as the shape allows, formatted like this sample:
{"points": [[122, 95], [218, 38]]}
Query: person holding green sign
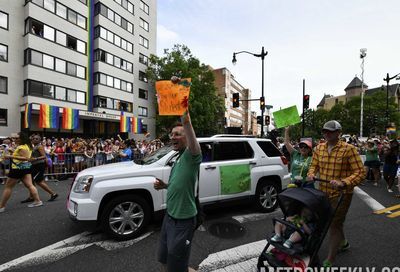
{"points": [[299, 161]]}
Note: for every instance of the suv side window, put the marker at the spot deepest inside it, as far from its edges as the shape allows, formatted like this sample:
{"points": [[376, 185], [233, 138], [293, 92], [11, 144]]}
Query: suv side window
{"points": [[224, 151], [206, 151], [269, 149]]}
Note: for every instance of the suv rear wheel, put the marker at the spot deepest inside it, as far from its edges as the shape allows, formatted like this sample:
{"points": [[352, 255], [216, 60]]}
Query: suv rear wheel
{"points": [[267, 196], [125, 217]]}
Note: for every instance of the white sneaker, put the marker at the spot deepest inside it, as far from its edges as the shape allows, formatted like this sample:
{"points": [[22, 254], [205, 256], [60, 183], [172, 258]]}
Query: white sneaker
{"points": [[375, 184], [33, 205], [2, 209], [390, 190]]}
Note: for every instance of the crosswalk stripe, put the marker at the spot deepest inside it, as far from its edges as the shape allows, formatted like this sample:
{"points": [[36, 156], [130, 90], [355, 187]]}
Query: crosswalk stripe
{"points": [[395, 207], [395, 214]]}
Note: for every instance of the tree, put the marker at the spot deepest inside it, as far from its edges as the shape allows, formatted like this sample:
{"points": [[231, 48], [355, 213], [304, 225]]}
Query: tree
{"points": [[205, 106]]}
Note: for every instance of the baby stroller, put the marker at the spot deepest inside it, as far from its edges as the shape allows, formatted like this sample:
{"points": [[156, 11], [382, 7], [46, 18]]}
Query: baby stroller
{"points": [[304, 253]]}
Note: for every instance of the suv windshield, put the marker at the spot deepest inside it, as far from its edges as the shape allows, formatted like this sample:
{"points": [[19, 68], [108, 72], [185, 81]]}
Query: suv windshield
{"points": [[156, 155]]}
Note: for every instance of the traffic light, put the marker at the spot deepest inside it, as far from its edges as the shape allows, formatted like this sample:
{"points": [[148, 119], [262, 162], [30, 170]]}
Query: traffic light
{"points": [[262, 103], [375, 119], [306, 101], [267, 120], [259, 120], [235, 100]]}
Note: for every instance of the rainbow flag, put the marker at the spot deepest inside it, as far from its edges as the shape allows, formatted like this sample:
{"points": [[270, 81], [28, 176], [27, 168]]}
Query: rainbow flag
{"points": [[136, 125], [124, 124], [49, 116], [70, 118], [27, 115], [390, 130]]}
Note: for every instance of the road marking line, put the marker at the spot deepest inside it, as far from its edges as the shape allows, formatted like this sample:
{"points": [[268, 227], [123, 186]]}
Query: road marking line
{"points": [[372, 203], [67, 247], [50, 253], [113, 245], [395, 207], [233, 257], [254, 216], [393, 215]]}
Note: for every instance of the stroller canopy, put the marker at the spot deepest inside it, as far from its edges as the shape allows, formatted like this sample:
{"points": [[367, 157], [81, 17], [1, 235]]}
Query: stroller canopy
{"points": [[293, 199]]}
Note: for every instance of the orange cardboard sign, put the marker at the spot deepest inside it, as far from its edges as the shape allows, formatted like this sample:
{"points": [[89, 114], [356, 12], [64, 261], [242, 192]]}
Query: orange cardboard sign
{"points": [[172, 97]]}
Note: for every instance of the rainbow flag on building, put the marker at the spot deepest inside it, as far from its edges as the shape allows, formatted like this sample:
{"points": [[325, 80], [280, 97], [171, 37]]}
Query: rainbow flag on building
{"points": [[70, 118], [27, 116], [49, 116], [124, 123], [136, 125]]}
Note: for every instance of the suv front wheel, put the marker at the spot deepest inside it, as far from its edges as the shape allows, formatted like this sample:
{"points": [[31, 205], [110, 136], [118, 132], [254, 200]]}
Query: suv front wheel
{"points": [[267, 196], [125, 217]]}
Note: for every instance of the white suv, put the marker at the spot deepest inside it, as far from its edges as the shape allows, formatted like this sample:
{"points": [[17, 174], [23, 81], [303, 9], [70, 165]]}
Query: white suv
{"points": [[121, 197]]}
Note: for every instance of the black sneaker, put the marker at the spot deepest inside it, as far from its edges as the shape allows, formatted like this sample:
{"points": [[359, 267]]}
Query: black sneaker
{"points": [[28, 200], [53, 197]]}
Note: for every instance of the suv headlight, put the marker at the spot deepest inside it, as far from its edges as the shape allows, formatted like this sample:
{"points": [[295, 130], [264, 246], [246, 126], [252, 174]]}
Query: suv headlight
{"points": [[83, 184]]}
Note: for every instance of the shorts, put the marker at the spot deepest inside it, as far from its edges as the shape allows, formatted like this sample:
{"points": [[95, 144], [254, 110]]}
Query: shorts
{"points": [[373, 164], [390, 170], [175, 243], [340, 215], [18, 173], [38, 172]]}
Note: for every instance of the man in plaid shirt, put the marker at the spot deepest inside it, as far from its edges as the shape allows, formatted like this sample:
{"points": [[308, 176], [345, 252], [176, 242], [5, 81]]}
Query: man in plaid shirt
{"points": [[339, 163]]}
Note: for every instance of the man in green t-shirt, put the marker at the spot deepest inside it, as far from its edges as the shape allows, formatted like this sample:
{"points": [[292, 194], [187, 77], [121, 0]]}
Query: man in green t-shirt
{"points": [[180, 219]]}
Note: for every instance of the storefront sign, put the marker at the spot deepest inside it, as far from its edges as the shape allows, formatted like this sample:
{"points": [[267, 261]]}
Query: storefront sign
{"points": [[99, 115]]}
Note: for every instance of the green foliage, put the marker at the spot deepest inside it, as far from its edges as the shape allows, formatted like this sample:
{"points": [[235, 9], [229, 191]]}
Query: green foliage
{"points": [[205, 106], [374, 116]]}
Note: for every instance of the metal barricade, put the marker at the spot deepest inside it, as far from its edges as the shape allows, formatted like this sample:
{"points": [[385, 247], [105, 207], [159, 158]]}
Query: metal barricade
{"points": [[61, 166]]}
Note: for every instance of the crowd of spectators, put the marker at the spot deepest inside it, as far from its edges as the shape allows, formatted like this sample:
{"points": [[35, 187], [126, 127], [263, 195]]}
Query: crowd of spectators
{"points": [[71, 155]]}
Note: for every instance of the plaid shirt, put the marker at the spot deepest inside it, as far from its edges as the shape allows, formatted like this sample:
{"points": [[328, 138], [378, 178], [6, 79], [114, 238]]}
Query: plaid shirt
{"points": [[343, 163]]}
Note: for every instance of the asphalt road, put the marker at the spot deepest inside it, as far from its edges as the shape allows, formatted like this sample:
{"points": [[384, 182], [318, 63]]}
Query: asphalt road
{"points": [[374, 238]]}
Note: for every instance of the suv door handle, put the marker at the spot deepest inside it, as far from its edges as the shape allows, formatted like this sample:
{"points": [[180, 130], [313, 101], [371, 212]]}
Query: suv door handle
{"points": [[210, 168], [253, 163]]}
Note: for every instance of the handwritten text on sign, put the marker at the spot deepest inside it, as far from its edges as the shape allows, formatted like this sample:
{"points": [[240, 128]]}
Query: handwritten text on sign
{"points": [[170, 96]]}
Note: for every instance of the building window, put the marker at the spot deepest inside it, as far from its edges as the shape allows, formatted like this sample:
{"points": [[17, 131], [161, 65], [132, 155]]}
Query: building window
{"points": [[143, 94], [113, 104], [39, 29], [62, 11], [53, 63], [3, 117], [143, 24], [113, 82], [144, 7], [142, 111], [142, 76], [3, 85], [126, 5], [61, 93], [3, 52], [143, 42], [143, 59], [113, 38], [3, 20], [49, 5]]}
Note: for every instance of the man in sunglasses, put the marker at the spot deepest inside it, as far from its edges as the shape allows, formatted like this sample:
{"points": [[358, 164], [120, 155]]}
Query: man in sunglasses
{"points": [[340, 164], [180, 219]]}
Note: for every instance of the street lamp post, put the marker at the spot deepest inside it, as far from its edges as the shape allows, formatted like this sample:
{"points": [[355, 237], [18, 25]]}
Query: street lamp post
{"points": [[388, 79], [262, 56], [363, 54]]}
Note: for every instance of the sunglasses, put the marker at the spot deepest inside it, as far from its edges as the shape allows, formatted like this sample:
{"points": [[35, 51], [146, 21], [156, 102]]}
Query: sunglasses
{"points": [[303, 146]]}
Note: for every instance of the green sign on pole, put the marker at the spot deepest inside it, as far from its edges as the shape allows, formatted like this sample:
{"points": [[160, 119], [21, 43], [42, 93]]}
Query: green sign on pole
{"points": [[286, 117]]}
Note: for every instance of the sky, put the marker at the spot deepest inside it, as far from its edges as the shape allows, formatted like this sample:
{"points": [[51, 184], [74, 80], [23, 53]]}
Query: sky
{"points": [[315, 40]]}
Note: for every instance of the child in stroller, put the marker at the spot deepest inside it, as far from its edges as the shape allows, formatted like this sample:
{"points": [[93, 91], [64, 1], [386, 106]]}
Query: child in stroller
{"points": [[307, 216], [303, 221]]}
